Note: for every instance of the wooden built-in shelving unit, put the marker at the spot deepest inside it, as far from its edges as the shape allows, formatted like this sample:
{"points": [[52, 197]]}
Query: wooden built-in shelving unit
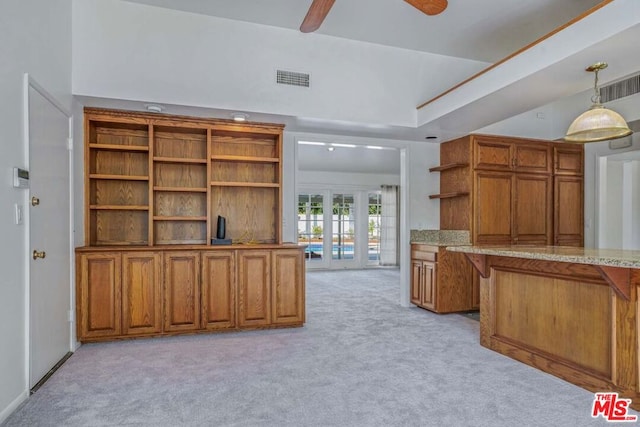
{"points": [[165, 179], [154, 188]]}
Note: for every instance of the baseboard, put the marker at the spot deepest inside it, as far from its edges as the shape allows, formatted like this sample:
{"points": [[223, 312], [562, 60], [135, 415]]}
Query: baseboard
{"points": [[13, 406]]}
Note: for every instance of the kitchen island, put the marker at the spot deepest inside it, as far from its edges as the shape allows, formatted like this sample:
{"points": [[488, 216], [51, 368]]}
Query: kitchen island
{"points": [[571, 312]]}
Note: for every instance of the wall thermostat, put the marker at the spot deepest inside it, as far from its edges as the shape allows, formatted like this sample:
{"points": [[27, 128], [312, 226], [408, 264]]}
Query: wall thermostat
{"points": [[20, 178]]}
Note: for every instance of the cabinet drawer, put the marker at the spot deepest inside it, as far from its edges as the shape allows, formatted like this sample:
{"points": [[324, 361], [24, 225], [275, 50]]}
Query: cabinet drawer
{"points": [[424, 252]]}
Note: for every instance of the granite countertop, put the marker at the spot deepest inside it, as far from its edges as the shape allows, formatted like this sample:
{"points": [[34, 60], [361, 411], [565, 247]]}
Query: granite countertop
{"points": [[440, 237], [590, 256]]}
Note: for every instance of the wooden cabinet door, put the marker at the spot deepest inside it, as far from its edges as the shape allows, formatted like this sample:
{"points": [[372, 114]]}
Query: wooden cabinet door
{"points": [[429, 285], [492, 207], [141, 293], [254, 288], [533, 198], [568, 159], [532, 157], [287, 292], [99, 295], [181, 291], [416, 282], [492, 154], [568, 211], [218, 290]]}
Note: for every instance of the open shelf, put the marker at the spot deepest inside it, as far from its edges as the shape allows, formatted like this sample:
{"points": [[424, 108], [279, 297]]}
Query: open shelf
{"points": [[249, 159], [119, 207], [159, 179], [178, 160], [180, 189], [179, 218], [115, 147], [245, 184], [120, 177], [448, 166], [449, 195]]}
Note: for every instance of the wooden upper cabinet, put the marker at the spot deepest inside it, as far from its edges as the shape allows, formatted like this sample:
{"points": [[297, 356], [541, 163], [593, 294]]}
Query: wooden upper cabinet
{"points": [[287, 274], [510, 154], [99, 295], [492, 154], [568, 159], [493, 207], [532, 157], [218, 290], [181, 290], [533, 209], [141, 293]]}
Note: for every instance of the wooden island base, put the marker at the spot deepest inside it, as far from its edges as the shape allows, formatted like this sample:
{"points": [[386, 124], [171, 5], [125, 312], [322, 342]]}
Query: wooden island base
{"points": [[578, 322]]}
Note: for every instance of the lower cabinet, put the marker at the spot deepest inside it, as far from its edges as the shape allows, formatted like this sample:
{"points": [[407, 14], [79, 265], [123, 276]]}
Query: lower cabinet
{"points": [[218, 290], [141, 293], [442, 281], [181, 291], [423, 283], [99, 295], [271, 287], [287, 287], [254, 279], [132, 293]]}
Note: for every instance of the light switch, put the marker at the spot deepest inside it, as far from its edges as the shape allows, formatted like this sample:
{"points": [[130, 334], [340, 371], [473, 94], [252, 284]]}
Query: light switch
{"points": [[18, 214]]}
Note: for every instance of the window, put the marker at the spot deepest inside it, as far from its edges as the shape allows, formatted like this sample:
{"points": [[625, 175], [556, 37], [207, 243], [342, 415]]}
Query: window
{"points": [[310, 220]]}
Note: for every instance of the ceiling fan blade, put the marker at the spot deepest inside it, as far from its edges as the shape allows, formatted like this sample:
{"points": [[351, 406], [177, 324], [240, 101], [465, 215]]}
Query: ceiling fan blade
{"points": [[316, 14], [430, 7]]}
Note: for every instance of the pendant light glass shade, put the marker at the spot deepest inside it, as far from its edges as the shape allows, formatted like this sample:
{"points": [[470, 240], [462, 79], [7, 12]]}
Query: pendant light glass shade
{"points": [[598, 123]]}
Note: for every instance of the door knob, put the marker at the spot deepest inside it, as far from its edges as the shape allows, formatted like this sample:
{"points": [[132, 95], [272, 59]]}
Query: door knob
{"points": [[35, 201], [37, 254]]}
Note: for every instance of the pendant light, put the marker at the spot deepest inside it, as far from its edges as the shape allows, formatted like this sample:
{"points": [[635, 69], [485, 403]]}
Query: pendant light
{"points": [[598, 123]]}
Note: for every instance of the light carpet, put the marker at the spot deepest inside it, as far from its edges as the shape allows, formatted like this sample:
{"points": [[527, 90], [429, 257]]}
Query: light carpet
{"points": [[360, 360]]}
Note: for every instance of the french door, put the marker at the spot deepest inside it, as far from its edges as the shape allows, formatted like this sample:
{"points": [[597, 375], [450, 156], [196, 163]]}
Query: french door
{"points": [[328, 226]]}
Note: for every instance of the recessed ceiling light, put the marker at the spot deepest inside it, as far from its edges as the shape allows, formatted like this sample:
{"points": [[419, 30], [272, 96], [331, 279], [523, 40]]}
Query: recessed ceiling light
{"points": [[310, 143], [154, 108], [331, 148], [240, 117]]}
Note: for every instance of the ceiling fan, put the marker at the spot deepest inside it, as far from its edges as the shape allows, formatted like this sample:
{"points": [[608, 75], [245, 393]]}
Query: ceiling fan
{"points": [[320, 8]]}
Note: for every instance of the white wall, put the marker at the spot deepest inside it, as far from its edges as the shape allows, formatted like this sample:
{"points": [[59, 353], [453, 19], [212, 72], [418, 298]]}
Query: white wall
{"points": [[36, 38], [367, 181], [611, 236], [139, 52]]}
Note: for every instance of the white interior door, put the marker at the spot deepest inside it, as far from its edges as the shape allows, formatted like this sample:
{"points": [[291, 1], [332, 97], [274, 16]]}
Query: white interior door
{"points": [[49, 234]]}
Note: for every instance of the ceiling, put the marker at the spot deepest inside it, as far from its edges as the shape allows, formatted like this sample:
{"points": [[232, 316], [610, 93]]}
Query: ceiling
{"points": [[486, 31], [480, 30]]}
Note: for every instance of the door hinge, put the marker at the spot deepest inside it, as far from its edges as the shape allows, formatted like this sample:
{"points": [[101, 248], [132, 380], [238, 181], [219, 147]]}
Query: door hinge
{"points": [[70, 316], [70, 144]]}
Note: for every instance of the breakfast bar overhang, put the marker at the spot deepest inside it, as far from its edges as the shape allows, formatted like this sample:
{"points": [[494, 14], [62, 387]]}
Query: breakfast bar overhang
{"points": [[571, 312]]}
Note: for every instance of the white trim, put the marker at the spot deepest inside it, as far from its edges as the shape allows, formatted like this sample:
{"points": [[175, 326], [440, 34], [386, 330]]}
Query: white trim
{"points": [[27, 246], [13, 405], [405, 291]]}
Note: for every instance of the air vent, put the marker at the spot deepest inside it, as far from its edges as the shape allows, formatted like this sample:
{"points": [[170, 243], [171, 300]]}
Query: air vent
{"points": [[292, 78], [620, 89]]}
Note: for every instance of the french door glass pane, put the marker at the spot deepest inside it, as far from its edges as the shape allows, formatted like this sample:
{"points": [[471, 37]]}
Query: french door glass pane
{"points": [[375, 209], [310, 217], [343, 227]]}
